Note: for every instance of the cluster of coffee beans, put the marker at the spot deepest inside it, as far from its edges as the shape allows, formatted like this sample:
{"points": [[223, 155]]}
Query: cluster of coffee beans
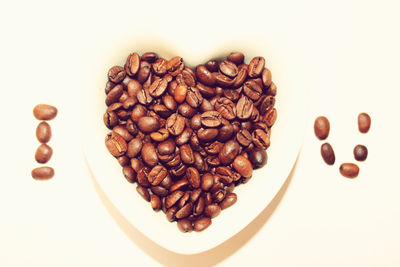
{"points": [[44, 152], [188, 137], [321, 129]]}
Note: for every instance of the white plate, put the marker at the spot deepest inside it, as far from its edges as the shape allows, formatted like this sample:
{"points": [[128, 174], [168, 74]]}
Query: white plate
{"points": [[253, 197]]}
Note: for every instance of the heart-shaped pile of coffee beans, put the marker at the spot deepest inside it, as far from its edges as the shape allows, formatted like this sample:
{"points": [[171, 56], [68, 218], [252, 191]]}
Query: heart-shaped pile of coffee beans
{"points": [[189, 136]]}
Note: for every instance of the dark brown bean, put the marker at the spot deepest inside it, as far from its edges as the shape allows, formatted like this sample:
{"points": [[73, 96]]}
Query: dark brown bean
{"points": [[229, 151], [229, 200], [144, 96], [187, 156], [205, 90], [244, 137], [349, 170], [236, 57], [144, 71], [129, 174], [122, 131], [212, 210], [205, 76], [321, 127], [258, 157], [123, 161], [171, 213], [143, 192], [207, 181], [116, 74], [266, 77], [43, 132], [42, 173], [185, 225], [155, 202], [193, 97], [186, 110], [159, 190], [226, 108], [256, 66], [141, 176], [166, 147], [223, 80], [44, 112], [184, 211], [148, 124], [157, 174], [193, 177], [244, 108], [116, 144], [243, 166], [360, 152], [179, 185], [149, 154], [132, 64], [149, 57], [160, 67], [228, 68], [173, 198], [261, 139], [327, 153], [184, 137], [175, 124], [158, 87], [211, 119], [175, 65], [43, 153], [212, 65], [252, 90], [364, 122]]}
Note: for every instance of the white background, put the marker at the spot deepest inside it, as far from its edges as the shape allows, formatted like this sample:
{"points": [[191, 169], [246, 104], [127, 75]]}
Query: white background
{"points": [[350, 51]]}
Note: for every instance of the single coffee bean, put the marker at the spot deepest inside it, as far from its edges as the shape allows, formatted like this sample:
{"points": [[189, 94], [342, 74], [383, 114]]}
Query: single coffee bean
{"points": [[212, 210], [137, 112], [116, 74], [228, 68], [229, 151], [266, 104], [252, 90], [205, 90], [187, 154], [212, 65], [149, 154], [42, 173], [155, 202], [116, 144], [193, 177], [226, 108], [149, 57], [258, 157], [195, 194], [229, 200], [223, 80], [207, 135], [134, 147], [327, 153], [244, 137], [159, 190], [166, 147], [43, 153], [184, 200], [144, 71], [44, 112], [170, 214], [148, 124], [207, 181], [133, 88], [199, 206], [161, 135], [129, 174], [261, 139], [321, 127], [266, 77], [123, 161], [184, 137], [214, 148], [360, 152], [186, 110], [179, 185], [184, 225], [144, 96], [169, 102], [349, 170], [173, 198], [109, 85], [243, 166], [270, 117], [225, 133], [175, 124], [201, 224], [158, 87], [244, 108], [157, 174], [211, 119], [43, 132], [143, 192], [132, 64], [193, 97], [205, 76], [364, 122], [142, 175], [167, 182], [162, 111], [236, 57], [160, 67], [175, 65], [184, 211], [122, 131], [256, 66]]}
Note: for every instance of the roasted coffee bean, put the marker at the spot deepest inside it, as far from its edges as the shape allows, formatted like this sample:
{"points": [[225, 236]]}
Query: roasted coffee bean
{"points": [[144, 71], [225, 174], [225, 133], [136, 164], [193, 97], [223, 80], [187, 156], [159, 190], [132, 64], [175, 124], [44, 112], [175, 160], [327, 153], [167, 182], [193, 177], [149, 57], [160, 67], [360, 152], [129, 174], [228, 68], [122, 131], [42, 173], [173, 198], [214, 148], [364, 122], [144, 97], [43, 153], [207, 135], [349, 170], [219, 195], [137, 112], [195, 194], [133, 88], [43, 132], [169, 102], [180, 93], [179, 185], [236, 57], [244, 108], [207, 198], [179, 170], [149, 154], [226, 108], [229, 200], [187, 77], [261, 139], [109, 85], [186, 110], [162, 111], [243, 166], [252, 90], [246, 125], [171, 214], [206, 106], [244, 137], [157, 174], [148, 124], [321, 127], [205, 76], [266, 77], [123, 160], [166, 147], [270, 117], [207, 181], [256, 66], [199, 207], [184, 200], [175, 65], [205, 90], [143, 192], [201, 224], [142, 175], [199, 163], [212, 65], [116, 144], [134, 147], [158, 87], [185, 225], [266, 104], [211, 119], [184, 211], [213, 160], [184, 137], [258, 157], [116, 74], [155, 202], [212, 210], [229, 151], [161, 135]]}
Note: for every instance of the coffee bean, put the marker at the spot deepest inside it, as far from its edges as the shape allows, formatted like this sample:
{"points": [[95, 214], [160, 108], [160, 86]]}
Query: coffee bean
{"points": [[144, 97], [266, 104], [225, 133], [223, 80], [116, 74], [184, 211], [143, 192], [171, 213], [212, 210], [115, 144], [236, 57], [175, 65], [212, 65], [228, 68], [42, 173], [158, 87], [109, 85], [132, 64], [252, 90], [134, 147], [243, 166], [149, 57], [349, 170], [166, 147], [244, 108], [157, 174], [187, 154], [211, 119], [159, 190], [256, 66], [266, 77], [201, 224], [207, 181], [226, 108], [144, 71], [207, 135], [149, 154], [225, 175], [205, 76], [244, 137], [327, 153], [142, 175], [179, 185], [321, 127], [258, 157], [184, 137], [193, 177], [129, 174], [270, 117], [122, 131], [186, 110], [185, 225], [229, 200], [155, 202], [123, 161], [160, 67], [43, 153], [261, 139], [44, 112], [364, 122], [173, 198], [175, 124], [43, 132], [229, 151], [193, 97], [205, 90], [360, 152], [148, 124]]}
